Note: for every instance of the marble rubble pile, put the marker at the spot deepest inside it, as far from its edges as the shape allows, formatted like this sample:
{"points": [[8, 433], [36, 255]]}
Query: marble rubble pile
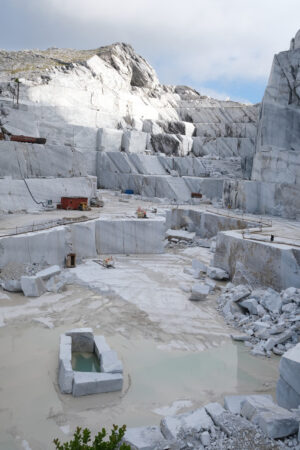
{"points": [[270, 321], [30, 279], [274, 187], [246, 422], [180, 239], [117, 122]]}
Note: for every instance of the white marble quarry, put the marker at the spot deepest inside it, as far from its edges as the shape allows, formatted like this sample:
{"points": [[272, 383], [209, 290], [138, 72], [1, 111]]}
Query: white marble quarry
{"points": [[86, 383], [259, 263], [114, 103], [130, 236], [14, 195]]}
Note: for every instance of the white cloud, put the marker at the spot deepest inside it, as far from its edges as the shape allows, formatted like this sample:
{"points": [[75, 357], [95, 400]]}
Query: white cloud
{"points": [[199, 39]]}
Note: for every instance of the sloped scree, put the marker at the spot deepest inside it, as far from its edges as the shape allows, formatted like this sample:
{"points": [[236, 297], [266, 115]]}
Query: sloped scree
{"points": [[269, 321]]}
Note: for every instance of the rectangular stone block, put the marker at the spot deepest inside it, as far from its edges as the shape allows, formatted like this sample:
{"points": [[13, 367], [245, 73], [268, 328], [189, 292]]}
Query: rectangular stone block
{"points": [[254, 404], [233, 403], [130, 236], [289, 368], [134, 141], [86, 383], [109, 362], [65, 348], [286, 396], [101, 345], [32, 286], [65, 376], [49, 272], [109, 140], [173, 426], [82, 340], [277, 424]]}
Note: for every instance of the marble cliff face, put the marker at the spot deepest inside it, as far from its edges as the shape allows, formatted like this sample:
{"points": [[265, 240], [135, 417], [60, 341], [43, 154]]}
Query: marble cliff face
{"points": [[104, 112]]}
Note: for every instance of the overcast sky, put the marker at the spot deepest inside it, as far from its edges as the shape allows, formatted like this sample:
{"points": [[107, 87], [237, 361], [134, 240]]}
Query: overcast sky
{"points": [[223, 48]]}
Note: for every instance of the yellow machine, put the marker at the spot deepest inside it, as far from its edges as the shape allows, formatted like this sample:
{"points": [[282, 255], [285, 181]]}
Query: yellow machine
{"points": [[83, 206]]}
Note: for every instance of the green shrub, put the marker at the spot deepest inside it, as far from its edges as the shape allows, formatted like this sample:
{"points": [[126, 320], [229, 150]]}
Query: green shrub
{"points": [[82, 440]]}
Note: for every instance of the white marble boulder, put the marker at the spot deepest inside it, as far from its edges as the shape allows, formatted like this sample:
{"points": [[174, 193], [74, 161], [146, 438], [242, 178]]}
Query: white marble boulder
{"points": [[110, 377], [34, 286], [275, 421], [288, 386], [173, 426], [145, 438], [200, 292]]}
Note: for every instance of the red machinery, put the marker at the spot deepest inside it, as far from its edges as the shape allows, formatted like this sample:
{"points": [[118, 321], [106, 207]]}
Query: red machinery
{"points": [[80, 203]]}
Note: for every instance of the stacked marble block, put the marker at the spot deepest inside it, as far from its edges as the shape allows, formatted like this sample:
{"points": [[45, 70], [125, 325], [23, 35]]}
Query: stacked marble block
{"points": [[109, 379], [174, 178], [288, 386]]}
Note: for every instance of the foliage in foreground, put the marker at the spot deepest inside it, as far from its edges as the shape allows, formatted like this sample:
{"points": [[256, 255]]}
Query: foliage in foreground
{"points": [[82, 440]]}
